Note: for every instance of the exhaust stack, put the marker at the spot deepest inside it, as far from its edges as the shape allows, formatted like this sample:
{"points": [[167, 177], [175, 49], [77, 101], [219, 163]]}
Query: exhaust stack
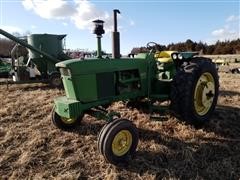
{"points": [[99, 31], [115, 36]]}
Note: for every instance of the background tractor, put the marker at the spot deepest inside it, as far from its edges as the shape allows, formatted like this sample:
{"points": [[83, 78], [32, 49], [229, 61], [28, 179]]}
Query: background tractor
{"points": [[190, 83], [5, 68]]}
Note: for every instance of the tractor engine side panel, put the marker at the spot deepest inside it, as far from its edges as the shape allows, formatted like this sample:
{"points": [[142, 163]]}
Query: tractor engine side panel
{"points": [[105, 85], [93, 80]]}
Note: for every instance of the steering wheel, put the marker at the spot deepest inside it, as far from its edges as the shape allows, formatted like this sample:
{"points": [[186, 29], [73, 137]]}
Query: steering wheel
{"points": [[153, 46]]}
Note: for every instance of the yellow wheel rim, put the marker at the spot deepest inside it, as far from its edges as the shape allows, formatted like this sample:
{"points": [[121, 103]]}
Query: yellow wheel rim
{"points": [[204, 93], [122, 143], [68, 120]]}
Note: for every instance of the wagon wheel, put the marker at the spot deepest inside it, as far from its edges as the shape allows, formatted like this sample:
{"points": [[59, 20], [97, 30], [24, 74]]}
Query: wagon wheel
{"points": [[118, 141], [65, 123], [194, 91], [55, 80]]}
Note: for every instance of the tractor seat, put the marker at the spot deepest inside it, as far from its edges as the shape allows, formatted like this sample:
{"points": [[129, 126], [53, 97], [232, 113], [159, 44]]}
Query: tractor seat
{"points": [[164, 56]]}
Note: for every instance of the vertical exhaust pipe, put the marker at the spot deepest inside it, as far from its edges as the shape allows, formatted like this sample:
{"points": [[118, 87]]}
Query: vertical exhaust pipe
{"points": [[99, 31], [115, 36]]}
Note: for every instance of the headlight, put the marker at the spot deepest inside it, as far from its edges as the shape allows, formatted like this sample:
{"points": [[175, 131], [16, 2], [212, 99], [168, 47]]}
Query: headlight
{"points": [[174, 56], [65, 72], [180, 56]]}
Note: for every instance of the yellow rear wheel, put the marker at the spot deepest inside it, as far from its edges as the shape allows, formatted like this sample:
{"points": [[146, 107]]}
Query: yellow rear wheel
{"points": [[204, 93]]}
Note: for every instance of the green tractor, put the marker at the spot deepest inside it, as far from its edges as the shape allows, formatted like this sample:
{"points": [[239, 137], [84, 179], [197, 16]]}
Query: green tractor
{"points": [[5, 68], [189, 82]]}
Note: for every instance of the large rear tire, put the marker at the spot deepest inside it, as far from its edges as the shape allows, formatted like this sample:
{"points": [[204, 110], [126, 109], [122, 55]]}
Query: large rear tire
{"points": [[194, 91]]}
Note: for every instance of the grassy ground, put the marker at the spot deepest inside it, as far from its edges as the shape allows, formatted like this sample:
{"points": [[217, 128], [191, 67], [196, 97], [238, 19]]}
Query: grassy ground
{"points": [[31, 147]]}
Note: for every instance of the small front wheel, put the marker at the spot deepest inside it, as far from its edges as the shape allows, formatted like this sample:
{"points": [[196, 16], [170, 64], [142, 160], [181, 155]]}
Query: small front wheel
{"points": [[118, 140], [64, 123]]}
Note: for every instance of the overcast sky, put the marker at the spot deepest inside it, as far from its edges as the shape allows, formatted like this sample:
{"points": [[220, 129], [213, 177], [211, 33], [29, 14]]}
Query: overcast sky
{"points": [[163, 21]]}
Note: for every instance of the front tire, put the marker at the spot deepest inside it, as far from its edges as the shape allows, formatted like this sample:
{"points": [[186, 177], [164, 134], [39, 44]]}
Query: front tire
{"points": [[118, 141], [65, 123], [194, 91]]}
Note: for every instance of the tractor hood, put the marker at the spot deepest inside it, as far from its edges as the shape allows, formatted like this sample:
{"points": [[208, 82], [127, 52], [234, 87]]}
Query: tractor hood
{"points": [[95, 65], [68, 63]]}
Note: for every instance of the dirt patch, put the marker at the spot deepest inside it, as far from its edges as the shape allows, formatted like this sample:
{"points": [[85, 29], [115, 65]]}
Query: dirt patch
{"points": [[31, 147]]}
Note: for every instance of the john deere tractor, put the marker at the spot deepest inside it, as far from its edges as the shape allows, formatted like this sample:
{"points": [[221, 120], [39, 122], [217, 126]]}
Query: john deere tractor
{"points": [[189, 82]]}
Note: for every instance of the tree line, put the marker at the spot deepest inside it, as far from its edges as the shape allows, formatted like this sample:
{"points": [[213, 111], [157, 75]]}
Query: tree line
{"points": [[220, 47]]}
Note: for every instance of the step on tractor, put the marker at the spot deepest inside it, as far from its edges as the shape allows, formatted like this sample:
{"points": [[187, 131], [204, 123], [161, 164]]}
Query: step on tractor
{"points": [[44, 51], [190, 83]]}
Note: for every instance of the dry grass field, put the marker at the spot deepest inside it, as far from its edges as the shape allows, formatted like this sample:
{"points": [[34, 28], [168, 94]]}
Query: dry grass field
{"points": [[32, 148]]}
